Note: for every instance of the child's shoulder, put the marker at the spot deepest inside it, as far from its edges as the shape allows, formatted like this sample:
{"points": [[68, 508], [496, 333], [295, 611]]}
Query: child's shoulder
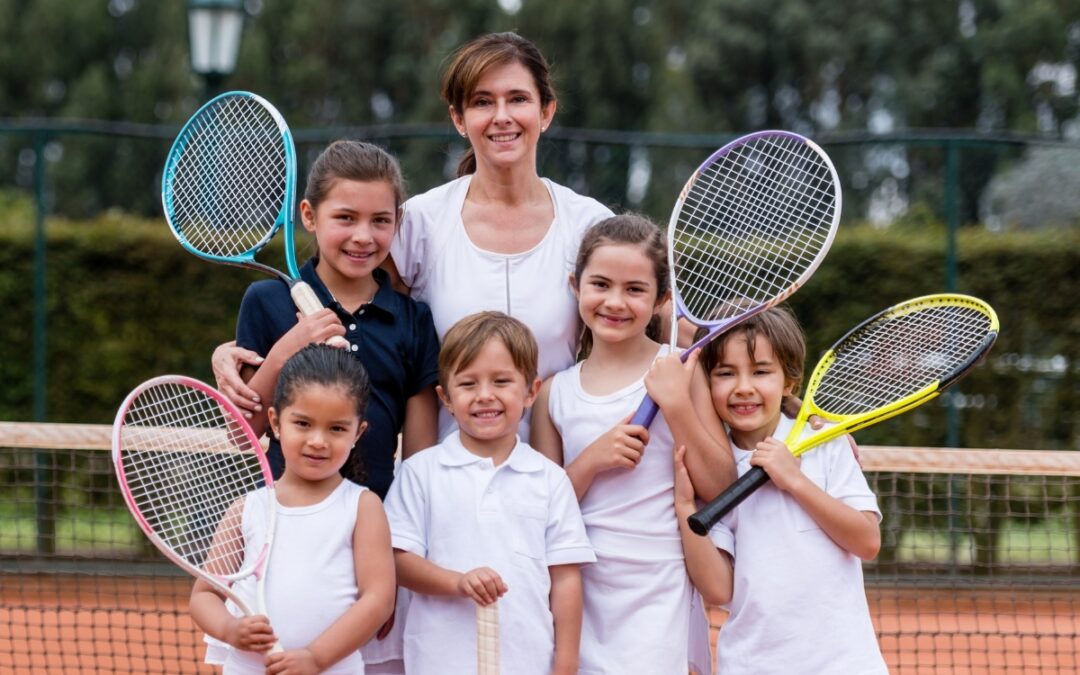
{"points": [[267, 290]]}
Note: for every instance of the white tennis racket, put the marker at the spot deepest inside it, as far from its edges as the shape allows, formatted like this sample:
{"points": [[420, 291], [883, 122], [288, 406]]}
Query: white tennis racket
{"points": [[487, 639], [749, 229], [187, 462]]}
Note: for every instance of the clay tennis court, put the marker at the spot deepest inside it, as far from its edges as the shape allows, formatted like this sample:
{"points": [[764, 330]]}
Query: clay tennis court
{"points": [[79, 624]]}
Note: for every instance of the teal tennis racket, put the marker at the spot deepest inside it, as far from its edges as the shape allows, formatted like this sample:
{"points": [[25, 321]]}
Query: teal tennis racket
{"points": [[229, 185]]}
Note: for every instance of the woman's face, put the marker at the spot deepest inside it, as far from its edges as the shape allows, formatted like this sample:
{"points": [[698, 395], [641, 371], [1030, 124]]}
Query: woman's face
{"points": [[503, 117]]}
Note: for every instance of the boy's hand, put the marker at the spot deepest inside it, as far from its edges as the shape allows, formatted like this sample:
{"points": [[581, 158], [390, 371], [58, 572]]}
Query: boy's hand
{"points": [[483, 585], [668, 380], [292, 662], [620, 448], [250, 633], [778, 462], [685, 504]]}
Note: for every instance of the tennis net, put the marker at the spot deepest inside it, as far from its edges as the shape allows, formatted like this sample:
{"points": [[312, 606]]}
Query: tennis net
{"points": [[979, 570]]}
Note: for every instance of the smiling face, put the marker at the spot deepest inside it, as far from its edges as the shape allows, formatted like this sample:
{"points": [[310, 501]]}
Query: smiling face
{"points": [[317, 429], [488, 397], [354, 225], [617, 292], [747, 390], [503, 117]]}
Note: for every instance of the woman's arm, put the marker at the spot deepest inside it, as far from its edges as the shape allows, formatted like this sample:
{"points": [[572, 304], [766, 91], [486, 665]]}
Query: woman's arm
{"points": [[421, 428], [566, 608], [374, 563], [227, 362]]}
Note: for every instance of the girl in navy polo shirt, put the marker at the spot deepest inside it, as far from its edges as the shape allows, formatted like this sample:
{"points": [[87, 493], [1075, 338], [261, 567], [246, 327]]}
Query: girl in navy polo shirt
{"points": [[352, 204]]}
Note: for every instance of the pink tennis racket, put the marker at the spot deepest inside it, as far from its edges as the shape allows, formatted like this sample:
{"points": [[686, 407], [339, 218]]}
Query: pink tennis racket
{"points": [[187, 463]]}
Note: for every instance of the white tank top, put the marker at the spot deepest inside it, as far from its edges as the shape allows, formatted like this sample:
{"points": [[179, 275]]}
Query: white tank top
{"points": [[311, 576], [629, 514]]}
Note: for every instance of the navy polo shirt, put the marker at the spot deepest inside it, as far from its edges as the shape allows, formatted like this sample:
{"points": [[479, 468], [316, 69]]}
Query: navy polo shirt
{"points": [[394, 338]]}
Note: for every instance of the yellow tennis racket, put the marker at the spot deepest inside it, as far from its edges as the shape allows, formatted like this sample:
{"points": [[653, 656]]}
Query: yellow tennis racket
{"points": [[892, 362]]}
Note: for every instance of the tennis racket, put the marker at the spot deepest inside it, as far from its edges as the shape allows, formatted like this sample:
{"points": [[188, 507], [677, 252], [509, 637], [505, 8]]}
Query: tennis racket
{"points": [[229, 184], [750, 227], [894, 361], [487, 639], [187, 461]]}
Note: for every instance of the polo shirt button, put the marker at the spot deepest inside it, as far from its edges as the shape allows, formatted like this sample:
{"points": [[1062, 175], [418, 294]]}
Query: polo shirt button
{"points": [[360, 312], [355, 347], [352, 326]]}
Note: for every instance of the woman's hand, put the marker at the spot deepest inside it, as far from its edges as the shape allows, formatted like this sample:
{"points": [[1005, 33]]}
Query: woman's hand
{"points": [[227, 361]]}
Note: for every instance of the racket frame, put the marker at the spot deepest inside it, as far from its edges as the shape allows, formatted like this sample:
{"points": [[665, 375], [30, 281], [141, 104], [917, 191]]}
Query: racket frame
{"points": [[648, 409], [223, 582], [303, 295], [702, 521]]}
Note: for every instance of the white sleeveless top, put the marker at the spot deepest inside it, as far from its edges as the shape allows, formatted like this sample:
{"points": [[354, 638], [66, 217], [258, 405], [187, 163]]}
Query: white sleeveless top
{"points": [[629, 514], [455, 277], [310, 577]]}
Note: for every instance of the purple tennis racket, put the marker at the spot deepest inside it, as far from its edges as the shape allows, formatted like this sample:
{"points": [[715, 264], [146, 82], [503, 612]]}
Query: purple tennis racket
{"points": [[749, 228]]}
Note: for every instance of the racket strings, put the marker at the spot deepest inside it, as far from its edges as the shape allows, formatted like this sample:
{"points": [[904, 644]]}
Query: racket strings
{"points": [[751, 225], [188, 466], [897, 356], [228, 183]]}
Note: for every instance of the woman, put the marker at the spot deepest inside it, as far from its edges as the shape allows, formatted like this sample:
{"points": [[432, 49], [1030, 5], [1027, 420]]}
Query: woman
{"points": [[499, 237]]}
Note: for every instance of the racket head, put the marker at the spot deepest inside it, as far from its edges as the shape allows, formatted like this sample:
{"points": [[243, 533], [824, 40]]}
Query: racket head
{"points": [[186, 460], [229, 181], [750, 227], [896, 360]]}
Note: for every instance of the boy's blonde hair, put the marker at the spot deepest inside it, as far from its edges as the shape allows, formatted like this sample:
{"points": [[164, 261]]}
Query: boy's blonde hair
{"points": [[779, 326], [468, 336]]}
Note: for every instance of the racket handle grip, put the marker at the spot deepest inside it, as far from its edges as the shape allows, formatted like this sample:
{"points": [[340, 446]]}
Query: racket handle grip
{"points": [[646, 412], [702, 521], [307, 302]]}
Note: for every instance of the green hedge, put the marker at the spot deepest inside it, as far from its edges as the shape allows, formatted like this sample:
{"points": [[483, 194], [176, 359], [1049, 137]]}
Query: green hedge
{"points": [[125, 302]]}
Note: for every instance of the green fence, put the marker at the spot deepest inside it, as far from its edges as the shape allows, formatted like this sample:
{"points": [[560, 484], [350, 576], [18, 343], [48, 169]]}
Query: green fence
{"points": [[923, 212]]}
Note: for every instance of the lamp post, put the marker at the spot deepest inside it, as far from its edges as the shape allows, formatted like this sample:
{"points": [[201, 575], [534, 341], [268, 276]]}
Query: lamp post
{"points": [[214, 30]]}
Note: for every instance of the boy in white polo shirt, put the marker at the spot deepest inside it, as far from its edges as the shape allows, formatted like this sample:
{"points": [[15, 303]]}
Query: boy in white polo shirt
{"points": [[787, 562], [483, 517]]}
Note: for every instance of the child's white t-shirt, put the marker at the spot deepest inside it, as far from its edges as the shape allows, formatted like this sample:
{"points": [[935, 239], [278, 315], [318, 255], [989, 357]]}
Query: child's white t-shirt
{"points": [[798, 604], [445, 269], [461, 512]]}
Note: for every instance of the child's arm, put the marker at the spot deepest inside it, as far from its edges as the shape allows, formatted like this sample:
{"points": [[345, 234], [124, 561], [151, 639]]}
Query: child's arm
{"points": [[483, 585], [682, 392], [566, 607], [620, 447], [857, 532], [710, 569], [421, 428], [374, 563], [543, 435], [207, 605], [317, 327], [249, 633]]}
